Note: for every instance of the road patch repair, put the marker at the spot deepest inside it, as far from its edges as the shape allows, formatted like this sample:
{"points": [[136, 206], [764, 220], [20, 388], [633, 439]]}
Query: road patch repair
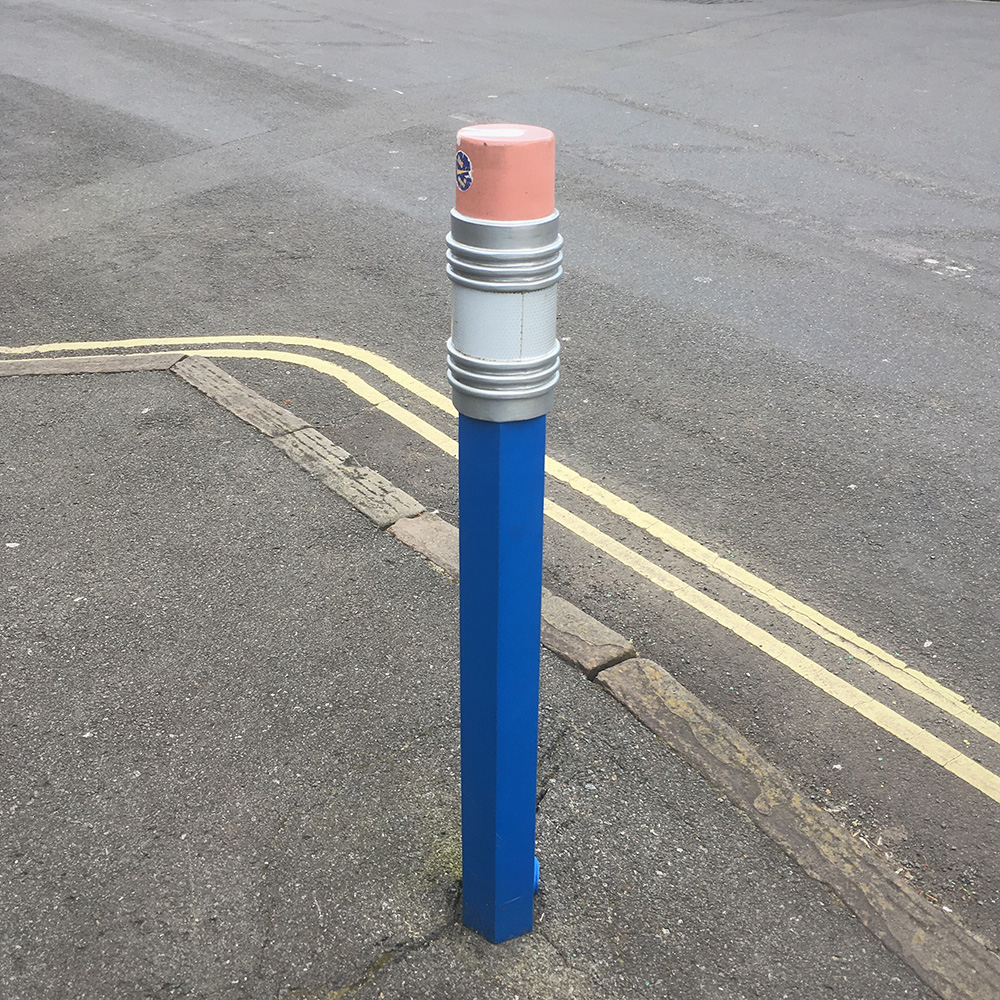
{"points": [[628, 906]]}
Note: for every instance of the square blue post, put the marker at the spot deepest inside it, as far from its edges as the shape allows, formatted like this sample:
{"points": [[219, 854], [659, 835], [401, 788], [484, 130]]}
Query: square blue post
{"points": [[501, 481]]}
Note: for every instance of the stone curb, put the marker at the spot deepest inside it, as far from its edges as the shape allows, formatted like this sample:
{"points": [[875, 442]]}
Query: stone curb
{"points": [[252, 408], [435, 539], [566, 630], [947, 957], [360, 486], [92, 364], [943, 954], [581, 640]]}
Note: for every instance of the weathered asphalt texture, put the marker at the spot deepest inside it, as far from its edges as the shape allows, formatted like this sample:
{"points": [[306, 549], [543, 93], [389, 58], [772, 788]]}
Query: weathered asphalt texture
{"points": [[230, 754], [778, 316]]}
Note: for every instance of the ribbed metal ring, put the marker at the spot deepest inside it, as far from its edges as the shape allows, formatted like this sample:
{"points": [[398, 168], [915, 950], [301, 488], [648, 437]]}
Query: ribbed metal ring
{"points": [[503, 379], [504, 256], [509, 271], [490, 234]]}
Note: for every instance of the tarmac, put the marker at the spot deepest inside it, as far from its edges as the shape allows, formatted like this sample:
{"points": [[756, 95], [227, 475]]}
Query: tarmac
{"points": [[231, 747]]}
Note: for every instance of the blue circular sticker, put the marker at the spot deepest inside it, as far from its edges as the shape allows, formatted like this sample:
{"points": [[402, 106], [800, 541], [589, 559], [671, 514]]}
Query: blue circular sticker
{"points": [[463, 171]]}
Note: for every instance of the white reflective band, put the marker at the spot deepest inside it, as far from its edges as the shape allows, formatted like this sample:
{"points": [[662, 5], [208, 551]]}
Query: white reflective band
{"points": [[503, 355]]}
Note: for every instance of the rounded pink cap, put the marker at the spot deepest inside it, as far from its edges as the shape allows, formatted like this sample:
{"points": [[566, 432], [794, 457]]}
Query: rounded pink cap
{"points": [[505, 173]]}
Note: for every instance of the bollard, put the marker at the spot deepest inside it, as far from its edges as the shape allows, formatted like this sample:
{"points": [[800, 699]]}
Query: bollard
{"points": [[504, 259]]}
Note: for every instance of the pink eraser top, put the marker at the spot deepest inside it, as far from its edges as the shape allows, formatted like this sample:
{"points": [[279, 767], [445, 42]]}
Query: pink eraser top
{"points": [[505, 173]]}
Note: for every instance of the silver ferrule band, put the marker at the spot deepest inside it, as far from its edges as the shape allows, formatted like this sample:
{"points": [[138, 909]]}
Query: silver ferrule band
{"points": [[502, 390], [504, 256]]}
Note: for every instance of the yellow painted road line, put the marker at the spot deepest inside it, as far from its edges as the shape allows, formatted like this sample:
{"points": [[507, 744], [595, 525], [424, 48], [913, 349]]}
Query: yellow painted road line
{"points": [[896, 670], [881, 715], [370, 358], [909, 678], [355, 383], [836, 687]]}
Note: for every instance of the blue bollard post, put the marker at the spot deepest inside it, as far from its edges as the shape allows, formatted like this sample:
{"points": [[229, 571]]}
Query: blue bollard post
{"points": [[504, 257], [500, 485]]}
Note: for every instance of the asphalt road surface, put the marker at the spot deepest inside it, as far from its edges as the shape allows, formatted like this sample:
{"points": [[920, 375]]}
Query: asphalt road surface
{"points": [[779, 314]]}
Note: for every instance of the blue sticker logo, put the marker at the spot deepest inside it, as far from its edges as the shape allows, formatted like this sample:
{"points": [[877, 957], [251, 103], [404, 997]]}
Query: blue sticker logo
{"points": [[463, 171]]}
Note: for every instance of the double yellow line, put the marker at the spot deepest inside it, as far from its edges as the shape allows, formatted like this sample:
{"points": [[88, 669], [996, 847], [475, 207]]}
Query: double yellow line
{"points": [[836, 687]]}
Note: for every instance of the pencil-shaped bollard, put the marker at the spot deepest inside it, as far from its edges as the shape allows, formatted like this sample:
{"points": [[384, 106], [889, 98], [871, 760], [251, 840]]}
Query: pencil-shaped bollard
{"points": [[504, 257]]}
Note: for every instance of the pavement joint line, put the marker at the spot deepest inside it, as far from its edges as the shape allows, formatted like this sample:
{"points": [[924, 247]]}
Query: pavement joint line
{"points": [[900, 673], [957, 964], [960, 765]]}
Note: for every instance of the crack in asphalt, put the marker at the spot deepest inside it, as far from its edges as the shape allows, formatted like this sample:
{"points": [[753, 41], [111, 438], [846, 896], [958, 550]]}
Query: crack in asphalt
{"points": [[382, 961], [544, 784]]}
